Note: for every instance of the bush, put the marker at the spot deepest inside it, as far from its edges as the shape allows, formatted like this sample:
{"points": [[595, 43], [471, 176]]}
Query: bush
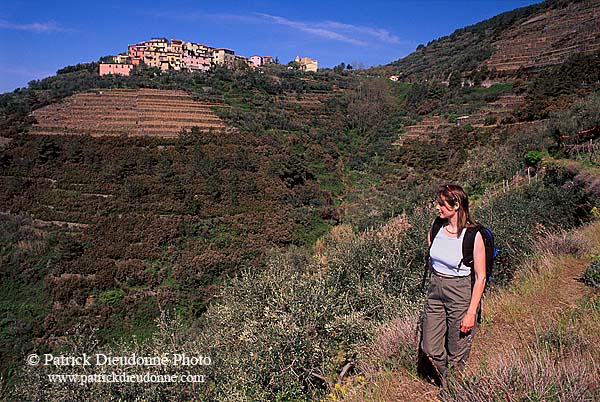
{"points": [[519, 216], [111, 296], [490, 120], [591, 276], [533, 158], [304, 318]]}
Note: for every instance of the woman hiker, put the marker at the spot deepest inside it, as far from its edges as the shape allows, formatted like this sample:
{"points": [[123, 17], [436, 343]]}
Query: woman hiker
{"points": [[453, 296]]}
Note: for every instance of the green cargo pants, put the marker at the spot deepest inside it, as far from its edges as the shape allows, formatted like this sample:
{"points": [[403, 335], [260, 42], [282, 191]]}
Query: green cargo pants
{"points": [[447, 303]]}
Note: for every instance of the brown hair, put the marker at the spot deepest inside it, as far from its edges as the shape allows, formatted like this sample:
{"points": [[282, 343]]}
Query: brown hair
{"points": [[452, 195]]}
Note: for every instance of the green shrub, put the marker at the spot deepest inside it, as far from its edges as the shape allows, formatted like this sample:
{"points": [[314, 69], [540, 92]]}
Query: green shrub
{"points": [[533, 158], [111, 296], [490, 120], [304, 316], [518, 216], [591, 276]]}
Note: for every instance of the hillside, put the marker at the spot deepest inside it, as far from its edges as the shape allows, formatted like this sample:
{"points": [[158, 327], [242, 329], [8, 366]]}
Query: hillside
{"points": [[547, 38], [113, 112], [527, 38], [339, 323]]}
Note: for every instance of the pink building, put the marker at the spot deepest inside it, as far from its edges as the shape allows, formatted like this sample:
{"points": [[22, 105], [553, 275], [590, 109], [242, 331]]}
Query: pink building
{"points": [[196, 63], [256, 60], [137, 52], [115, 69]]}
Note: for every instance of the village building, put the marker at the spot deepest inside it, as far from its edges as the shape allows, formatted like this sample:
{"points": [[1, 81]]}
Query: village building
{"points": [[192, 62], [115, 68], [136, 53], [123, 58], [307, 64], [177, 55], [256, 60], [224, 57]]}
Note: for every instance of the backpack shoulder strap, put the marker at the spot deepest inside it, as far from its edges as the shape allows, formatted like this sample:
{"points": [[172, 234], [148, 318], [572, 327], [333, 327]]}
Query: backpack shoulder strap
{"points": [[437, 224], [468, 245]]}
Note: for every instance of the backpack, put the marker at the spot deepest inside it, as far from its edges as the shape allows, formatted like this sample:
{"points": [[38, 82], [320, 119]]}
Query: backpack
{"points": [[468, 245]]}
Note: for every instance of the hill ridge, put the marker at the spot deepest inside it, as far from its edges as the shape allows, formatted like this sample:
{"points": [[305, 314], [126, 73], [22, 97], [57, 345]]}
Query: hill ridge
{"points": [[488, 46]]}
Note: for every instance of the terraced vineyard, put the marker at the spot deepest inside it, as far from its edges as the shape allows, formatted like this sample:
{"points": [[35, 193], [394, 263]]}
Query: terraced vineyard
{"points": [[500, 108], [299, 106], [549, 38], [135, 112]]}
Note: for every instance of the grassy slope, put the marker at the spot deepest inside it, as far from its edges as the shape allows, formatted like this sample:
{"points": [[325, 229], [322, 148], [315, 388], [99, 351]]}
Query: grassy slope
{"points": [[545, 327]]}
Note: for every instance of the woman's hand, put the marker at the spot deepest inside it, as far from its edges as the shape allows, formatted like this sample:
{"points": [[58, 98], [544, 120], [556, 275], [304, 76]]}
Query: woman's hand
{"points": [[467, 323]]}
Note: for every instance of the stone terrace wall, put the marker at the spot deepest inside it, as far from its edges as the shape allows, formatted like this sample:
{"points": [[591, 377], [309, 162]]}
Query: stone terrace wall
{"points": [[549, 38], [142, 112]]}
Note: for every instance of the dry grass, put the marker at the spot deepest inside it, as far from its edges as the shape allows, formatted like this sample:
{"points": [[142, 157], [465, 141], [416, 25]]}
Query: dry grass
{"points": [[388, 366], [34, 247], [395, 345], [394, 228], [539, 339], [392, 386], [533, 375]]}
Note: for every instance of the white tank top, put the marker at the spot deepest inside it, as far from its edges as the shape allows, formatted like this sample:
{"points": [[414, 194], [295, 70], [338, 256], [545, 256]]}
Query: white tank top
{"points": [[446, 253]]}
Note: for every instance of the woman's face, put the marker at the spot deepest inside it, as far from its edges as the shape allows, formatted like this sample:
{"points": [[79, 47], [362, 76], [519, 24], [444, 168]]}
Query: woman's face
{"points": [[444, 209]]}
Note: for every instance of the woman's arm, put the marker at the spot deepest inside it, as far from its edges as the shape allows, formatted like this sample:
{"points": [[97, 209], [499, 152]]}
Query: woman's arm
{"points": [[468, 321]]}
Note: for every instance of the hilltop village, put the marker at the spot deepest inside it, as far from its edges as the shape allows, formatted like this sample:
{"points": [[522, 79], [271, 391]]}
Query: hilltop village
{"points": [[183, 55]]}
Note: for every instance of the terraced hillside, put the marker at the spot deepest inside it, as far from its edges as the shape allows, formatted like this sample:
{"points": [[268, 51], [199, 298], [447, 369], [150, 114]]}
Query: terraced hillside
{"points": [[135, 112], [548, 38], [536, 36], [314, 105], [437, 125]]}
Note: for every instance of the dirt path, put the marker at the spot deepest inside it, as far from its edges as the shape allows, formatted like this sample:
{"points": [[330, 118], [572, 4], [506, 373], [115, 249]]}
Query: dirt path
{"points": [[513, 317]]}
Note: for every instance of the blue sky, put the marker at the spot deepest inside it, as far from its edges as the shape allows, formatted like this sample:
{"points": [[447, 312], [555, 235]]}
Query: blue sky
{"points": [[39, 37]]}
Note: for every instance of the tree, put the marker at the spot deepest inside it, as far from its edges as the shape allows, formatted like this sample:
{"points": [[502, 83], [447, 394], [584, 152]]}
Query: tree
{"points": [[48, 150], [339, 68], [106, 59], [455, 80]]}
